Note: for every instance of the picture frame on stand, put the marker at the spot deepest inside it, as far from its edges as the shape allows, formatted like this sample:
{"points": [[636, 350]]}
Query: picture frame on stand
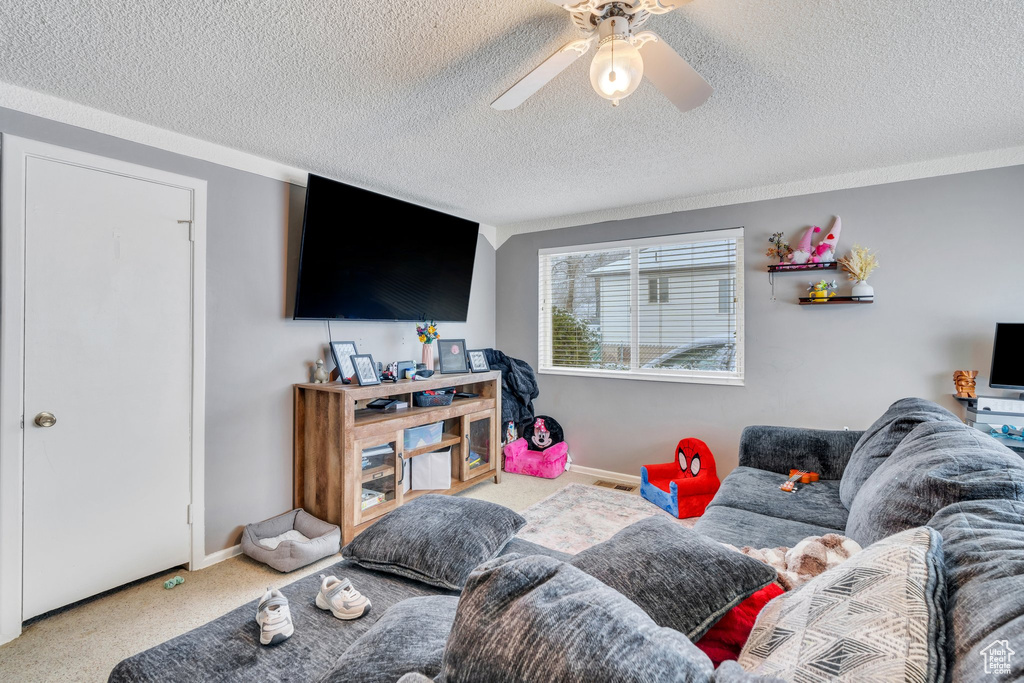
{"points": [[452, 356]]}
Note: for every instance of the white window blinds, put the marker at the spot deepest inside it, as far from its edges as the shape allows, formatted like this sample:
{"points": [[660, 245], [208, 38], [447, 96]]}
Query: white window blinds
{"points": [[665, 308]]}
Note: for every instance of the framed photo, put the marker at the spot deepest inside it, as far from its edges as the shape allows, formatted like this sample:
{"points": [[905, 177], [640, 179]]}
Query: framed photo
{"points": [[366, 369], [452, 354], [342, 352], [404, 365], [477, 360]]}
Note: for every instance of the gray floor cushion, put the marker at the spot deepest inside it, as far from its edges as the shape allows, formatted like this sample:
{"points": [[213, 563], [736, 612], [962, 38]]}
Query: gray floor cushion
{"points": [[228, 648], [532, 619], [742, 527], [436, 539], [882, 438], [983, 544], [937, 464], [879, 616], [410, 637], [682, 579], [754, 490], [324, 540]]}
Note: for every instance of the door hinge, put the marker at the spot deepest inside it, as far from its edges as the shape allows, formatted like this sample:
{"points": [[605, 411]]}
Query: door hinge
{"points": [[22, 421], [188, 512], [191, 230]]}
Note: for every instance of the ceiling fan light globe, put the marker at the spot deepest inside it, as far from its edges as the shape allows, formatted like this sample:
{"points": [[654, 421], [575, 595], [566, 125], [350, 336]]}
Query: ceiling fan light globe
{"points": [[617, 70]]}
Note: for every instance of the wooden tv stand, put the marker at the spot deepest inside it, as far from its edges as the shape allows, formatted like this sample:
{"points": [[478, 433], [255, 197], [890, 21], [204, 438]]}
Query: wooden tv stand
{"points": [[333, 428]]}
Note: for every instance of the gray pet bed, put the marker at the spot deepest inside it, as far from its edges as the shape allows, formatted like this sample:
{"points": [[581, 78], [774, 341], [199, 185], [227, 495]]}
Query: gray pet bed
{"points": [[324, 540]]}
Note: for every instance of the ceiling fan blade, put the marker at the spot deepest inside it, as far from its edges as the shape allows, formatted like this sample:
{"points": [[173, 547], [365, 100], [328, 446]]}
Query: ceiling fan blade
{"points": [[543, 74], [670, 73]]}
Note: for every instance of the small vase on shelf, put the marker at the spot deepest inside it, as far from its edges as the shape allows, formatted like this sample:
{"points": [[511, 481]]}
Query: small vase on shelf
{"points": [[428, 356], [862, 289]]}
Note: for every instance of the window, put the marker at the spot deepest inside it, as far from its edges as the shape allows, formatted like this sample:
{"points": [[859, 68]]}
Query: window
{"points": [[657, 290], [596, 320], [725, 296]]}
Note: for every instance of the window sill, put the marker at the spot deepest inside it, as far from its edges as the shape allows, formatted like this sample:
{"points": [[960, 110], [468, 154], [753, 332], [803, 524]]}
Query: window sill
{"points": [[650, 376]]}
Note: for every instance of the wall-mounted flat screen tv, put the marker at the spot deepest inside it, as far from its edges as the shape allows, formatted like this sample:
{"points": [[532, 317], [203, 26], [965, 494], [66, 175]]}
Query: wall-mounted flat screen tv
{"points": [[365, 256], [1007, 358]]}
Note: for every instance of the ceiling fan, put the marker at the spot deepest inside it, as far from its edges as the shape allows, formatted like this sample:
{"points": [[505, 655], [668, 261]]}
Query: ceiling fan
{"points": [[623, 57]]}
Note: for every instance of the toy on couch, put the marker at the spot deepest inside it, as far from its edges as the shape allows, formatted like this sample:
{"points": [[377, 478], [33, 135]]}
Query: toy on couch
{"points": [[541, 452], [685, 487]]}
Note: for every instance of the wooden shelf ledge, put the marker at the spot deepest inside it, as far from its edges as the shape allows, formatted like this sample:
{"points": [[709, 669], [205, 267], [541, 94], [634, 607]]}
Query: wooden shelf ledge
{"points": [[447, 440], [807, 301]]}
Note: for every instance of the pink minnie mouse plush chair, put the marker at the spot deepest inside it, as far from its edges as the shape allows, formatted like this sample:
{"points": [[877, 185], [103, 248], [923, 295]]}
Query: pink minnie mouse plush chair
{"points": [[541, 452], [685, 487]]}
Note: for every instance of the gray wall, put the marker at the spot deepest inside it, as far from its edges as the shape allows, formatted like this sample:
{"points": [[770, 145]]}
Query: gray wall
{"points": [[950, 250], [254, 351]]}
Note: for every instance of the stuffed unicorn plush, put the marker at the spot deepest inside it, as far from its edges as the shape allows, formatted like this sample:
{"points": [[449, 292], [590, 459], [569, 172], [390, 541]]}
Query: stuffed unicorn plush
{"points": [[826, 249], [804, 252]]}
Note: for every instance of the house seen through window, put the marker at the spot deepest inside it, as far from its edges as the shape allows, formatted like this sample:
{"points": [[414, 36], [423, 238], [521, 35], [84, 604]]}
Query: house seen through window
{"points": [[667, 308]]}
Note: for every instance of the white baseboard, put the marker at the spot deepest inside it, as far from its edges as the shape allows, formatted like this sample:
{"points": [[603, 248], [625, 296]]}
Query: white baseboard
{"points": [[605, 474], [221, 555]]}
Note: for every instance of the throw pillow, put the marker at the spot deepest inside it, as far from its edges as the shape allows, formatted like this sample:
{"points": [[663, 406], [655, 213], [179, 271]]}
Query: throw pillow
{"points": [[535, 618], [410, 637], [882, 438], [939, 463], [725, 640], [681, 578], [435, 539], [983, 545], [879, 616]]}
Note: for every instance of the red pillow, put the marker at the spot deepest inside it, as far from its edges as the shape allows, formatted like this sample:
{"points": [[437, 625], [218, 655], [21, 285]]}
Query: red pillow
{"points": [[726, 638]]}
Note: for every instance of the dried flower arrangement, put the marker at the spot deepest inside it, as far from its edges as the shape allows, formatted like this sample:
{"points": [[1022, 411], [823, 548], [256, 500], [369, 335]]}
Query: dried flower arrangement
{"points": [[780, 248], [860, 263]]}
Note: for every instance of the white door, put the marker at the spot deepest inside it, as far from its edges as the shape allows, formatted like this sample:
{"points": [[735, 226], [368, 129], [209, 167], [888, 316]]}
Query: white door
{"points": [[108, 353]]}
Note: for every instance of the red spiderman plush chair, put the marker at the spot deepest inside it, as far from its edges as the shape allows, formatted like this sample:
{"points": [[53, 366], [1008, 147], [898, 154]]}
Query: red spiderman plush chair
{"points": [[685, 487]]}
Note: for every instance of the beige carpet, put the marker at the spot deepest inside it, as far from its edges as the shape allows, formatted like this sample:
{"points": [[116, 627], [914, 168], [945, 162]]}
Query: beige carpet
{"points": [[84, 643]]}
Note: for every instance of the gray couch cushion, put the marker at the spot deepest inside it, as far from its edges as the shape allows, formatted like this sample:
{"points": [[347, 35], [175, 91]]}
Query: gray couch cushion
{"points": [[410, 637], [939, 463], [534, 618], [744, 528], [435, 539], [983, 543], [882, 438], [682, 579], [754, 490], [228, 648], [879, 616], [780, 449]]}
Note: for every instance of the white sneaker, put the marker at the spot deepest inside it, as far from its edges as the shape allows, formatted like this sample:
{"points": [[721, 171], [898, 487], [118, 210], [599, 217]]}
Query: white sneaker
{"points": [[344, 601], [274, 618]]}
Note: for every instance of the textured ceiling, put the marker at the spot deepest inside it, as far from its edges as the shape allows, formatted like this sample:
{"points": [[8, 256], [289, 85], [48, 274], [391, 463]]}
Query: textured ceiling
{"points": [[393, 95]]}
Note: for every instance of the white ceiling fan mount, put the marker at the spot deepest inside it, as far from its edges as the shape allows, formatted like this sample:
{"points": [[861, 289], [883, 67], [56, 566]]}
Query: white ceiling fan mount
{"points": [[623, 58]]}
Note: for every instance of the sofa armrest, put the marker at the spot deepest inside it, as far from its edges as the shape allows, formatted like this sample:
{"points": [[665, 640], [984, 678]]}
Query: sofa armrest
{"points": [[779, 449]]}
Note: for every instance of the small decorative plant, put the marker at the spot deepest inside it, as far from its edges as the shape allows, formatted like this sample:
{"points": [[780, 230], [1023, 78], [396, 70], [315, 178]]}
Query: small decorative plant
{"points": [[860, 263], [780, 248], [427, 332]]}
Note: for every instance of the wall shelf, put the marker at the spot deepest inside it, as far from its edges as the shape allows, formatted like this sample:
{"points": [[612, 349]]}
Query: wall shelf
{"points": [[836, 300], [799, 267]]}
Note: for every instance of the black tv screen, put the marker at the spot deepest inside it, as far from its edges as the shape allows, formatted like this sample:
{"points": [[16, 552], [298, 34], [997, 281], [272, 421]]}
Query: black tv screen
{"points": [[365, 256], [1008, 357]]}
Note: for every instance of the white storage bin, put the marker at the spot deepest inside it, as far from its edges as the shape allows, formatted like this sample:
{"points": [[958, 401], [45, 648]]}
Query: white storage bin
{"points": [[432, 471], [427, 435]]}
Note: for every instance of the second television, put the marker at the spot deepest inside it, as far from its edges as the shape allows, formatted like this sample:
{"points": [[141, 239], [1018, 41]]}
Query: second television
{"points": [[366, 256]]}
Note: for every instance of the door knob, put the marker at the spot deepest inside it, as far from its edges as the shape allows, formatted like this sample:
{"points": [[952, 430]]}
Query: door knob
{"points": [[45, 420]]}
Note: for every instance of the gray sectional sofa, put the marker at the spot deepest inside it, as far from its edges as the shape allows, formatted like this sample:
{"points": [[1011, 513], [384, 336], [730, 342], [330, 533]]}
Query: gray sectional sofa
{"points": [[918, 465]]}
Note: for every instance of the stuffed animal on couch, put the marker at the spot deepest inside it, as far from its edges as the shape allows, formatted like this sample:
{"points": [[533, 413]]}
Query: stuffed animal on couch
{"points": [[541, 452], [685, 487]]}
